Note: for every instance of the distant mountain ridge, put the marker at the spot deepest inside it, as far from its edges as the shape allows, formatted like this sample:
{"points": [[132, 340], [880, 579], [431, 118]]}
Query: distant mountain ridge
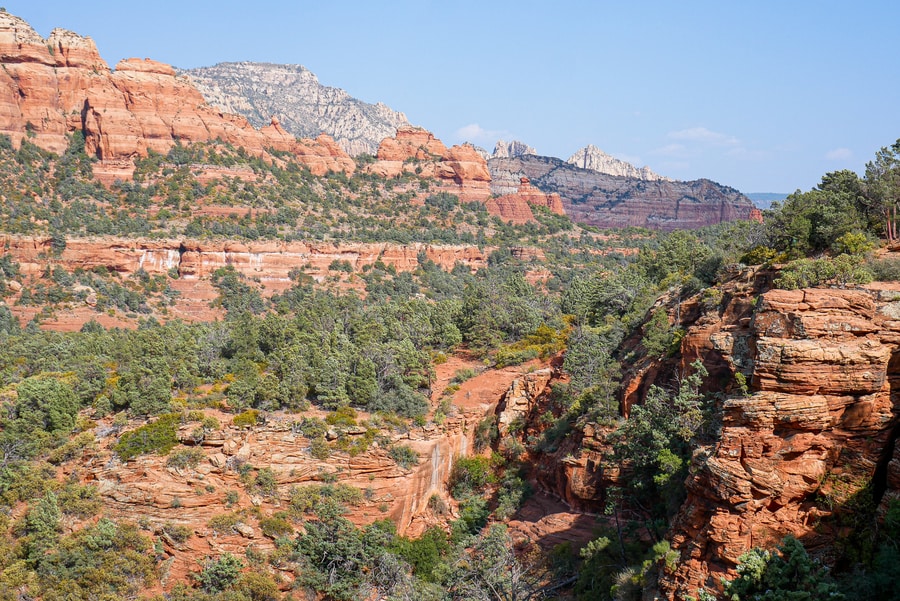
{"points": [[592, 158], [303, 106], [612, 201]]}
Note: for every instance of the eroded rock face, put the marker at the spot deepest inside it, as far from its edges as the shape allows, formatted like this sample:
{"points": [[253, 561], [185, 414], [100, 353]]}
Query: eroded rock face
{"points": [[816, 428], [51, 88], [520, 397], [460, 170], [504, 149]]}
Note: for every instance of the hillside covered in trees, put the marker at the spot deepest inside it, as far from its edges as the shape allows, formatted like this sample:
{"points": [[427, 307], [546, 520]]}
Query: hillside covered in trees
{"points": [[247, 367]]}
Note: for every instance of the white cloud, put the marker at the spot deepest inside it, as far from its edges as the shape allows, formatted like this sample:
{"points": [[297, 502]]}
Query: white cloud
{"points": [[704, 136], [671, 150], [839, 154], [480, 136]]}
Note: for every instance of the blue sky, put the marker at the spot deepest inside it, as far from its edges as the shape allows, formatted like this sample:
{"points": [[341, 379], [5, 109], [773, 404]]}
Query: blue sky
{"points": [[764, 96]]}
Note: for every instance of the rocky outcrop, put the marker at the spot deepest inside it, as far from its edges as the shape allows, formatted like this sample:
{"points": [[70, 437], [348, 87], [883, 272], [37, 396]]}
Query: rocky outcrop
{"points": [[817, 426], [593, 159], [269, 261], [516, 207], [520, 398], [610, 201], [293, 94], [504, 149], [52, 88], [460, 170]]}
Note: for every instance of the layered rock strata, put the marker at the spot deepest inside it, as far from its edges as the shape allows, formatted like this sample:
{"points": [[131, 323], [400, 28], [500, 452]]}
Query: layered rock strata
{"points": [[459, 170], [817, 427]]}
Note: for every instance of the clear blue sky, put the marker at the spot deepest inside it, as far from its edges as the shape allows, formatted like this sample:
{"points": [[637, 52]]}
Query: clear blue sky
{"points": [[765, 96]]}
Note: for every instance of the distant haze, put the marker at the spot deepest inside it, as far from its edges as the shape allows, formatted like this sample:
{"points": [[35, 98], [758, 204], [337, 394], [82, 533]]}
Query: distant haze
{"points": [[764, 200]]}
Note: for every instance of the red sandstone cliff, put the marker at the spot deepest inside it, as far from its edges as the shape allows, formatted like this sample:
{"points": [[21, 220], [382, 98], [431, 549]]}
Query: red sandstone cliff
{"points": [[816, 428], [51, 88]]}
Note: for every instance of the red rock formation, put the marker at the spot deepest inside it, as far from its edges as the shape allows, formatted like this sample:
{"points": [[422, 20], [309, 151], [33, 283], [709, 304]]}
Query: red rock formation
{"points": [[51, 88], [517, 207], [510, 208], [459, 169]]}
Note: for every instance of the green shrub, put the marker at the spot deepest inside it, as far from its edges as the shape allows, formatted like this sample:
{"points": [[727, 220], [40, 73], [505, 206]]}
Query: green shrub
{"points": [[470, 475], [79, 501], [658, 335], [807, 273], [176, 532], [319, 449], [485, 433], [246, 419], [312, 427], [342, 416], [886, 269], [159, 436], [404, 456], [461, 375], [185, 458], [258, 586], [760, 255], [265, 482], [224, 523], [425, 553], [276, 526], [306, 499], [72, 449], [219, 574]]}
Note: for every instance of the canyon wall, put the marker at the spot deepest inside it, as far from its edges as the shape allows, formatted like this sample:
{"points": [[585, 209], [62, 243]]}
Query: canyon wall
{"points": [[817, 428], [190, 264]]}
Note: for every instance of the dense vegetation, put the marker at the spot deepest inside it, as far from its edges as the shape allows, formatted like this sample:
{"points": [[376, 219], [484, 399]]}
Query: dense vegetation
{"points": [[311, 349]]}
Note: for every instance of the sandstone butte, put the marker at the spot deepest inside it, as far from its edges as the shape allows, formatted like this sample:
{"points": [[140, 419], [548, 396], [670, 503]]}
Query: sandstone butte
{"points": [[51, 88], [817, 425], [459, 169]]}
